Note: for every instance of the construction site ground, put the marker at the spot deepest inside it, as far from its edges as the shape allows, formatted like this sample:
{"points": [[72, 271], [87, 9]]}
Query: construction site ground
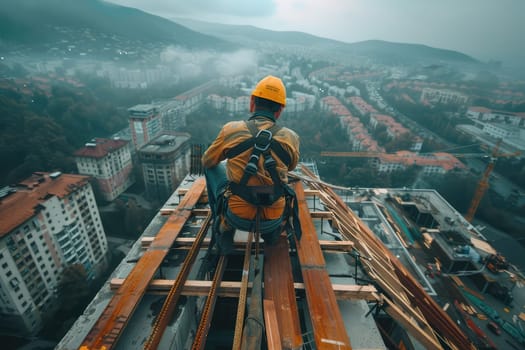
{"points": [[446, 295]]}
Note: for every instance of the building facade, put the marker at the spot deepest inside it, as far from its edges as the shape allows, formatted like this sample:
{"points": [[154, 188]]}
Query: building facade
{"points": [[145, 123], [172, 114], [109, 162], [502, 117], [165, 161], [48, 223], [433, 163], [443, 96], [501, 131]]}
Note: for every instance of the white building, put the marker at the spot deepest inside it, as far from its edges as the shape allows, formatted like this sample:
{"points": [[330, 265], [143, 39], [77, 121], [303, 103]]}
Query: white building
{"points": [[500, 131], [48, 222], [443, 96], [145, 123], [109, 162], [489, 115], [433, 163]]}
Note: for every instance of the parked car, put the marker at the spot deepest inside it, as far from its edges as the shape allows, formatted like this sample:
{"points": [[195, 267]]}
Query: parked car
{"points": [[494, 328]]}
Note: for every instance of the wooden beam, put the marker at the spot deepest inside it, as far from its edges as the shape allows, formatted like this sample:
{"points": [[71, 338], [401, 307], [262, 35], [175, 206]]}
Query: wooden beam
{"points": [[307, 192], [271, 325], [230, 289], [427, 340], [114, 318], [279, 289], [321, 215], [196, 212], [343, 246], [327, 323]]}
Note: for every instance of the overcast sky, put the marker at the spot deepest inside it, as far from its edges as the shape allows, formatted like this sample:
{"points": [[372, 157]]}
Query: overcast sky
{"points": [[485, 29]]}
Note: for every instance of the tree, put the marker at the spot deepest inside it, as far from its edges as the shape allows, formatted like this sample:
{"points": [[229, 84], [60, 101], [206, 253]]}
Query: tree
{"points": [[73, 288]]}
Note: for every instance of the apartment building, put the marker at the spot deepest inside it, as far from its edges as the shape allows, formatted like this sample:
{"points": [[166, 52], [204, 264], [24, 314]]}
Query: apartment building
{"points": [[501, 131], [432, 163], [145, 123], [48, 222], [172, 114], [165, 162], [443, 96], [502, 117], [109, 162]]}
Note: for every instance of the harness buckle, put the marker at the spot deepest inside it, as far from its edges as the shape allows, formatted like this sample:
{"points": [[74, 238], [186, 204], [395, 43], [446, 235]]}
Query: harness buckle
{"points": [[251, 168], [265, 136]]}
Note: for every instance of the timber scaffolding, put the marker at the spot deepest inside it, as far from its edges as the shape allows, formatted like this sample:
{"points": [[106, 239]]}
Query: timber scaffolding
{"points": [[267, 312]]}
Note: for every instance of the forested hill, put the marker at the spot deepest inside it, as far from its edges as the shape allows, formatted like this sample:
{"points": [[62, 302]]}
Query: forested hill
{"points": [[41, 128], [37, 24], [375, 50]]}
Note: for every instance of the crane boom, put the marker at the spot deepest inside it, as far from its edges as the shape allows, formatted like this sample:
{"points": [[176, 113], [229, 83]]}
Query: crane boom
{"points": [[483, 183]]}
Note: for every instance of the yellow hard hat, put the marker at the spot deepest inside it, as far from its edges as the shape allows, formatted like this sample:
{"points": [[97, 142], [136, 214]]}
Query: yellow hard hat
{"points": [[271, 88]]}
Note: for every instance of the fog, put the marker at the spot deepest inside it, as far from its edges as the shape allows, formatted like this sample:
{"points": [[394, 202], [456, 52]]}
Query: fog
{"points": [[191, 63]]}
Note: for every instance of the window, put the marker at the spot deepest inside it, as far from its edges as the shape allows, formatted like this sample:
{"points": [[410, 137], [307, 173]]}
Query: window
{"points": [[34, 247]]}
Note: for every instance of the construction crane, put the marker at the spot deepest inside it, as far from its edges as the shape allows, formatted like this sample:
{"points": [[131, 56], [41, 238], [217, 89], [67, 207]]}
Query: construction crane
{"points": [[352, 154], [483, 183]]}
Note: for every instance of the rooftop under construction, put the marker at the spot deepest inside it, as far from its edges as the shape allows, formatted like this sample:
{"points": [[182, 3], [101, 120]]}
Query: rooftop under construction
{"points": [[349, 283]]}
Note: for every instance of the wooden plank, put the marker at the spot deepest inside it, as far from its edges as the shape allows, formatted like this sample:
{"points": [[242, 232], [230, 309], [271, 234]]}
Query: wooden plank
{"points": [[327, 323], [240, 244], [230, 289], [411, 326], [307, 192], [321, 215], [196, 212], [107, 329], [278, 288], [273, 338]]}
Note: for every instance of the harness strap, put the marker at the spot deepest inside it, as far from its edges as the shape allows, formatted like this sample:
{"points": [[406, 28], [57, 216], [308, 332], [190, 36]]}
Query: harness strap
{"points": [[247, 144], [263, 143], [262, 139]]}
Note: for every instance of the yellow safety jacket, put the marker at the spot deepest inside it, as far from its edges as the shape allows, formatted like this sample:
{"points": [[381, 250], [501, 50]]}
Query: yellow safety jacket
{"points": [[234, 133]]}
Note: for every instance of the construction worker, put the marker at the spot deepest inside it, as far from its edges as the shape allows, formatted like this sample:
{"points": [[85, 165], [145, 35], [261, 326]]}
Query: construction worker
{"points": [[246, 169]]}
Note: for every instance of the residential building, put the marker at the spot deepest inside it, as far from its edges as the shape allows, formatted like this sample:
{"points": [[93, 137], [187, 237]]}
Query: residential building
{"points": [[443, 96], [172, 114], [109, 162], [501, 131], [229, 104], [362, 107], [433, 163], [192, 99], [241, 104], [145, 123], [48, 222], [489, 115], [165, 162]]}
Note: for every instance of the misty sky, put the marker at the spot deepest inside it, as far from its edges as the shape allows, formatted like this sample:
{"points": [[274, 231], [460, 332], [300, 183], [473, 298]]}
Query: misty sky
{"points": [[485, 29]]}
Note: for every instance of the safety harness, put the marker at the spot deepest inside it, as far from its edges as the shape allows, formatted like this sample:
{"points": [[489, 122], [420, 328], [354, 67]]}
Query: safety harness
{"points": [[262, 144]]}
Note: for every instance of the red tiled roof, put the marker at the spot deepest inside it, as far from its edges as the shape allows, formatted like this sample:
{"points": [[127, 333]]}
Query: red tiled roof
{"points": [[101, 149], [20, 206], [445, 160]]}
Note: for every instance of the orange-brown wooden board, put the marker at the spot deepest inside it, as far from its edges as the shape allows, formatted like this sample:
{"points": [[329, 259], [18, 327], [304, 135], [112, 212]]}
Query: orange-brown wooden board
{"points": [[279, 288], [327, 323], [106, 331]]}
